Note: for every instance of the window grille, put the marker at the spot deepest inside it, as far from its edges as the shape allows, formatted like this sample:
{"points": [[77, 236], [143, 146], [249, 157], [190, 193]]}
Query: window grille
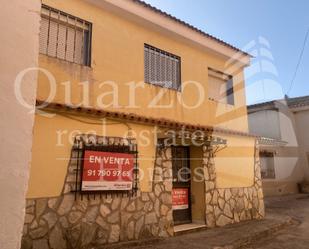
{"points": [[64, 36], [161, 68], [220, 87], [107, 144], [267, 165]]}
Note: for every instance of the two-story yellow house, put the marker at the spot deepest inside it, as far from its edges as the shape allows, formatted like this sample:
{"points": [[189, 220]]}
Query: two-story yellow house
{"points": [[141, 128]]}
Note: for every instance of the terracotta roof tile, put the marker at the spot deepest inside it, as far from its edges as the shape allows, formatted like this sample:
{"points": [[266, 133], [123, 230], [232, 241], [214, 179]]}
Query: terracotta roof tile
{"points": [[138, 118], [298, 101], [189, 26]]}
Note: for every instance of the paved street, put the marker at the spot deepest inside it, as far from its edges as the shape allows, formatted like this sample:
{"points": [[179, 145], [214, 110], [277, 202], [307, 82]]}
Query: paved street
{"points": [[292, 237], [286, 226]]}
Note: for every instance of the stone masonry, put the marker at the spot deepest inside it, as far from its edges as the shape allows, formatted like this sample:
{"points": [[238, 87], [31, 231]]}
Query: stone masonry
{"points": [[90, 221], [63, 222], [231, 205]]}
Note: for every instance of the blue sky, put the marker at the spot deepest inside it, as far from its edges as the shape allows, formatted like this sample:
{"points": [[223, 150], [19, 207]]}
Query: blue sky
{"points": [[273, 31]]}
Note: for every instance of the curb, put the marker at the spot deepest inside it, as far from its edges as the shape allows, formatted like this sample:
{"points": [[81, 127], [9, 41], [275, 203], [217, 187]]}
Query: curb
{"points": [[131, 244]]}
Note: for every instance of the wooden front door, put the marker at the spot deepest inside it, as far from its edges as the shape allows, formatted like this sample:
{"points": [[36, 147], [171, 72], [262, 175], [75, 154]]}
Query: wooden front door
{"points": [[181, 185]]}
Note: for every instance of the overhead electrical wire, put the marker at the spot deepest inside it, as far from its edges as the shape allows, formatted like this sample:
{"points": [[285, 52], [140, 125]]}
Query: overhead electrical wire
{"points": [[299, 62]]}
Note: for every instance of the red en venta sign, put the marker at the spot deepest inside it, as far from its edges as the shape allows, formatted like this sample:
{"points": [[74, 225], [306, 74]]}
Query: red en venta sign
{"points": [[107, 171]]}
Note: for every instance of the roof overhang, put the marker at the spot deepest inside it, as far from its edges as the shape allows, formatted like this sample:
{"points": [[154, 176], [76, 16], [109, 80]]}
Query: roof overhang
{"points": [[266, 141], [174, 28], [43, 106], [299, 107]]}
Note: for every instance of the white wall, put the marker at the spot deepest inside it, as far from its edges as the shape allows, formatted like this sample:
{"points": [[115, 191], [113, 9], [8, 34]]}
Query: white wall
{"points": [[285, 168], [302, 128], [281, 125], [265, 123], [302, 125], [287, 165], [19, 27], [287, 127]]}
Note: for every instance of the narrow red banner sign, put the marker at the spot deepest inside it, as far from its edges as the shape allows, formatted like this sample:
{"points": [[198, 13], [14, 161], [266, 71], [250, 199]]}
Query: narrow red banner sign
{"points": [[180, 197]]}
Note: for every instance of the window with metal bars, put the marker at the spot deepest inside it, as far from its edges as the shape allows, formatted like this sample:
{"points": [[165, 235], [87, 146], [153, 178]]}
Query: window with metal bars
{"points": [[162, 68], [267, 164], [65, 36]]}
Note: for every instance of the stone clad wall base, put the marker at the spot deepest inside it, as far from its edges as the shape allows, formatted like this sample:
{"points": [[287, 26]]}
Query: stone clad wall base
{"points": [[63, 222], [227, 206]]}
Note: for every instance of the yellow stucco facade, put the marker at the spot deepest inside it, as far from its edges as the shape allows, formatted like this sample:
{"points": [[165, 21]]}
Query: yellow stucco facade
{"points": [[117, 55], [50, 159], [235, 163]]}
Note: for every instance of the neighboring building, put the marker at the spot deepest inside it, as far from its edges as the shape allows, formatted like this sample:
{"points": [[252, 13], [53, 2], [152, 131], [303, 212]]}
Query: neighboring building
{"points": [[284, 145], [20, 22], [188, 112]]}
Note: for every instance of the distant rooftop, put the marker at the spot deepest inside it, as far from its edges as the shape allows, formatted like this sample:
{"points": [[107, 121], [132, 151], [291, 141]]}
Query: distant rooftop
{"points": [[298, 101], [291, 102]]}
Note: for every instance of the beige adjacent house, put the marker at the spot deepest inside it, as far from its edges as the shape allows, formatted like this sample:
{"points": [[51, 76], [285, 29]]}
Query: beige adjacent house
{"points": [[19, 50], [284, 142]]}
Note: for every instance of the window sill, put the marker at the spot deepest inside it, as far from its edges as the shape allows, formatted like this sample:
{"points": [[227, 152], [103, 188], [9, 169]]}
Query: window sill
{"points": [[65, 61], [168, 88], [222, 103]]}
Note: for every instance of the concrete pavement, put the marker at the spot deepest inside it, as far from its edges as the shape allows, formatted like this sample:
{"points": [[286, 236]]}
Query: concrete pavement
{"points": [[291, 237], [286, 226]]}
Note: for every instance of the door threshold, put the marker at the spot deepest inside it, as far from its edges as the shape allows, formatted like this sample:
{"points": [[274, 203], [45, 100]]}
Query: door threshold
{"points": [[187, 228]]}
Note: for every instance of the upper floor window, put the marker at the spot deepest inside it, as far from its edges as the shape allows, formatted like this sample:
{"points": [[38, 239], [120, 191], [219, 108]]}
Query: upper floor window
{"points": [[162, 68], [220, 87], [64, 36]]}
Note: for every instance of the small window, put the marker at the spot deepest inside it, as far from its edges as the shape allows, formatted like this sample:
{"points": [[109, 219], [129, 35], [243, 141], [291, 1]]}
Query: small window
{"points": [[161, 68], [267, 165], [220, 87], [64, 36]]}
